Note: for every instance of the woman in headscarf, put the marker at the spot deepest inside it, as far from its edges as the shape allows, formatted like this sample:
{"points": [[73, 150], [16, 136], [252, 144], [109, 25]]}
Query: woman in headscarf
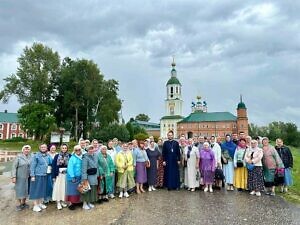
{"points": [[240, 170], [20, 176], [59, 170], [74, 177], [207, 166], [124, 163], [160, 170], [191, 164], [271, 162], [228, 150], [38, 182], [253, 157], [106, 174], [153, 156], [52, 153]]}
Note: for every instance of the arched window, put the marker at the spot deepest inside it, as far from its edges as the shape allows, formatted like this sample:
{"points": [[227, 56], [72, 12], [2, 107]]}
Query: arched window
{"points": [[172, 91]]}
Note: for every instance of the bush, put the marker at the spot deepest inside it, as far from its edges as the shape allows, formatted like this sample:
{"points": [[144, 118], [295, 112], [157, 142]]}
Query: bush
{"points": [[16, 139], [141, 136]]}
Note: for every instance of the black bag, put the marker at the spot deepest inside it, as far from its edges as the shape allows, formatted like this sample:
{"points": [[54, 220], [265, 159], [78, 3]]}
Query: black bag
{"points": [[219, 175], [239, 164], [91, 171], [184, 163]]}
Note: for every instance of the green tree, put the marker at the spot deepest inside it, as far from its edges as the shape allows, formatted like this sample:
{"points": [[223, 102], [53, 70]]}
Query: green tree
{"points": [[141, 136], [85, 96], [142, 117], [134, 129], [36, 76], [37, 119], [111, 131]]}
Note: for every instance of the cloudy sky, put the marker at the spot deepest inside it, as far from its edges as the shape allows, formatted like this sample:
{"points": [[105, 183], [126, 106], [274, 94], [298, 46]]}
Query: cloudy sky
{"points": [[222, 49]]}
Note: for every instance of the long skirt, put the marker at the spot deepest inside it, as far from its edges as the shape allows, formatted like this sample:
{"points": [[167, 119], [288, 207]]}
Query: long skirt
{"points": [[141, 174], [228, 170], [59, 189], [240, 177], [49, 188], [91, 195], [38, 188], [152, 174], [207, 176], [126, 180], [255, 179], [288, 179], [269, 176], [160, 174], [22, 187], [72, 194]]}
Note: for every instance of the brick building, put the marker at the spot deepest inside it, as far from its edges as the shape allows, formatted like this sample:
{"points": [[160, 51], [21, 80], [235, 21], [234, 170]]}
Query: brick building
{"points": [[10, 126], [203, 123]]}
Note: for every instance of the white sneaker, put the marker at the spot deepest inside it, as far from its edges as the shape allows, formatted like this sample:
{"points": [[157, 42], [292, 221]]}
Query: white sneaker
{"points": [[86, 206], [258, 193], [36, 208], [59, 207], [126, 195], [121, 194], [112, 196], [63, 204], [206, 189], [149, 189], [211, 190], [42, 206], [91, 205], [252, 193], [153, 189]]}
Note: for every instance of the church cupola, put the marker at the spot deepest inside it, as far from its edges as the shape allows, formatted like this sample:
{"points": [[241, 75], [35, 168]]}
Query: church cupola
{"points": [[173, 84]]}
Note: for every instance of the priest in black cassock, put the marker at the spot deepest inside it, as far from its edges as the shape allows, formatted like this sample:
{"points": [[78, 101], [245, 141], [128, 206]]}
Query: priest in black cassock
{"points": [[171, 161]]}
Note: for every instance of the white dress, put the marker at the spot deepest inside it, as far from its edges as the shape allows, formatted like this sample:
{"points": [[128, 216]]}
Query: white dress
{"points": [[192, 175]]}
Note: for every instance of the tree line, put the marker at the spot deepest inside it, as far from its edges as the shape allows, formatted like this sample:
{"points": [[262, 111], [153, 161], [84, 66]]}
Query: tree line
{"points": [[68, 93], [286, 131]]}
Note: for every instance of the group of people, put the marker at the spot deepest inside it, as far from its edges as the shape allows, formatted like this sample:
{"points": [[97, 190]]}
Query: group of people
{"points": [[92, 172]]}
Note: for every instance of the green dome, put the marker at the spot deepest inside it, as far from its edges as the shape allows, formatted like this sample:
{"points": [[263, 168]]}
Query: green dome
{"points": [[241, 105], [173, 80]]}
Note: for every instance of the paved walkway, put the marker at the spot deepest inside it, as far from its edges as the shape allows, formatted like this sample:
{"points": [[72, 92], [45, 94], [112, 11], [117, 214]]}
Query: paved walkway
{"points": [[160, 207]]}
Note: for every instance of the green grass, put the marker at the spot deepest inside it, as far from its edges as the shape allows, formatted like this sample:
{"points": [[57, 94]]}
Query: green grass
{"points": [[17, 146]]}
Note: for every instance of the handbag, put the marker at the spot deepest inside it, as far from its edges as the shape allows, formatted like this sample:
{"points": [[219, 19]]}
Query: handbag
{"points": [[240, 163], [91, 171], [250, 166], [83, 187], [184, 163], [49, 169], [219, 175]]}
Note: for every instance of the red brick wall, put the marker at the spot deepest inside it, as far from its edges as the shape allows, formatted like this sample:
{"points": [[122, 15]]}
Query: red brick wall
{"points": [[17, 131]]}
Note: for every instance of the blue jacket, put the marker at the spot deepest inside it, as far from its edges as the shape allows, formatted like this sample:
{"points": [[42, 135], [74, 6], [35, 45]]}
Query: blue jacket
{"points": [[39, 164], [74, 167], [55, 167]]}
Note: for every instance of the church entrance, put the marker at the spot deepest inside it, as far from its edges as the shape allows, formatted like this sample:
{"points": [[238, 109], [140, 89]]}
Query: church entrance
{"points": [[190, 134]]}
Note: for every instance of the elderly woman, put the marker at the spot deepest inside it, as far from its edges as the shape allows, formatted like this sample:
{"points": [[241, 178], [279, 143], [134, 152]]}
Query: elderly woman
{"points": [[216, 148], [160, 169], [106, 173], [141, 161], [74, 177], [89, 172], [153, 156], [52, 153], [228, 150], [124, 163], [38, 173], [240, 170], [20, 176], [287, 159], [253, 157], [59, 170], [271, 162], [207, 166], [191, 164]]}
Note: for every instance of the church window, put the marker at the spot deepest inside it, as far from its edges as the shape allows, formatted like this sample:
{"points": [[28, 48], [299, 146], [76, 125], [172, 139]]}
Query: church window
{"points": [[176, 90], [242, 125], [172, 92], [234, 125]]}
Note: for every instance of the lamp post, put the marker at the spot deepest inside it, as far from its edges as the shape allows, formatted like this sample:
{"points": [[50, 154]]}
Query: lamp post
{"points": [[61, 131]]}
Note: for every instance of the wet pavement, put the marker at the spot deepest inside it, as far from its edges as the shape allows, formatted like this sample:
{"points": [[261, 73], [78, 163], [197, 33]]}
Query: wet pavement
{"points": [[160, 207]]}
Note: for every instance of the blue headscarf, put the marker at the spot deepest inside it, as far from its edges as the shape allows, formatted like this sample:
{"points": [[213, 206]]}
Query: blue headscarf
{"points": [[229, 146]]}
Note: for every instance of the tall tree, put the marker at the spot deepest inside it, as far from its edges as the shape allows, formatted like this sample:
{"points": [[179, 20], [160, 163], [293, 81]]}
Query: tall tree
{"points": [[36, 76], [142, 117], [37, 119]]}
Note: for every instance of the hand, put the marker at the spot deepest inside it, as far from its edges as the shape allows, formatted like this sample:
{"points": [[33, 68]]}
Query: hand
{"points": [[178, 162], [32, 179], [53, 180], [111, 174], [197, 166], [13, 180], [219, 165], [164, 163], [74, 180]]}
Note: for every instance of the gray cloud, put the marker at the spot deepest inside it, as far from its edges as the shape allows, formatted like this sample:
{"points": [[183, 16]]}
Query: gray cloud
{"points": [[222, 49]]}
